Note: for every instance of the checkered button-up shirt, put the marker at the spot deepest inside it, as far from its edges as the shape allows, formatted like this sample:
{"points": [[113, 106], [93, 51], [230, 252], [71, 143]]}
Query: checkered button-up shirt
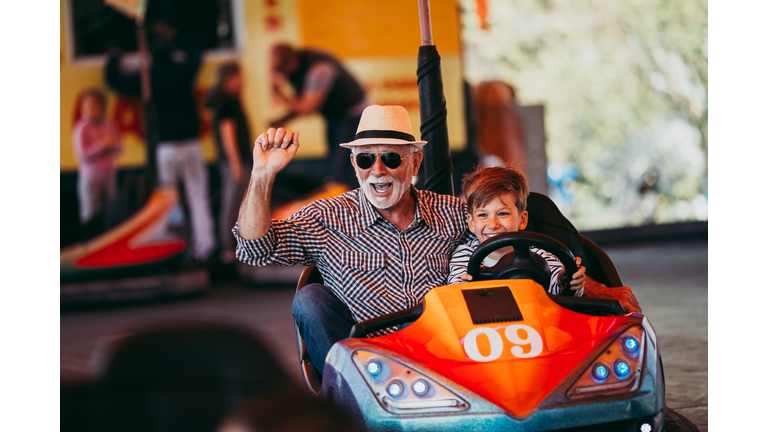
{"points": [[372, 266]]}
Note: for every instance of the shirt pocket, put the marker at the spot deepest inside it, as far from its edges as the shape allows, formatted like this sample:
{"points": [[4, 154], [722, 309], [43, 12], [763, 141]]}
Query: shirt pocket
{"points": [[362, 276], [437, 264], [363, 262]]}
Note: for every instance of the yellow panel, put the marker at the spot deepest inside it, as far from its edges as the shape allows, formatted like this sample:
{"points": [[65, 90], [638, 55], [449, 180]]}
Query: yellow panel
{"points": [[392, 81], [378, 41], [376, 28]]}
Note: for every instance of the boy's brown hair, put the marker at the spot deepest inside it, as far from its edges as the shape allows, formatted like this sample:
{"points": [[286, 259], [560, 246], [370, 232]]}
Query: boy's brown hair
{"points": [[484, 184]]}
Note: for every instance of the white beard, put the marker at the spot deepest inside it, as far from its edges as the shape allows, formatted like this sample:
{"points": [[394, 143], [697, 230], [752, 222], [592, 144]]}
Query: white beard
{"points": [[396, 192]]}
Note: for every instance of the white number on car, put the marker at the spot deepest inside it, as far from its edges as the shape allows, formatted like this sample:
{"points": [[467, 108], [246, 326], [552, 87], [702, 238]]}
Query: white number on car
{"points": [[512, 333], [470, 344]]}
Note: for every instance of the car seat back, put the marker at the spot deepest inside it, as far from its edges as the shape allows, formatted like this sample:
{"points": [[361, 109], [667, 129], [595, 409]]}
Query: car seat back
{"points": [[545, 218], [309, 371]]}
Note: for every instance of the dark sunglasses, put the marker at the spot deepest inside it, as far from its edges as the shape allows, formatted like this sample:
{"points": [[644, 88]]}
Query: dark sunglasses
{"points": [[390, 159]]}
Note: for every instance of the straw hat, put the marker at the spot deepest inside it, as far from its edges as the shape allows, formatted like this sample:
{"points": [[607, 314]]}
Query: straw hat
{"points": [[388, 124]]}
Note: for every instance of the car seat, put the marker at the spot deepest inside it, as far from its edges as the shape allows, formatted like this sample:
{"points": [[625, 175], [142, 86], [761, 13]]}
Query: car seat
{"points": [[543, 217], [309, 371]]}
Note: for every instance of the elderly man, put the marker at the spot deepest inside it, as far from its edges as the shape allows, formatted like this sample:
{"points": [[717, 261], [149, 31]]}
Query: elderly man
{"points": [[380, 248]]}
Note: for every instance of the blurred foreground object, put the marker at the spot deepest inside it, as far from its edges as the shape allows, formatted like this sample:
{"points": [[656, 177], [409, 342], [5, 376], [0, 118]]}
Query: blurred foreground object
{"points": [[288, 412], [184, 376]]}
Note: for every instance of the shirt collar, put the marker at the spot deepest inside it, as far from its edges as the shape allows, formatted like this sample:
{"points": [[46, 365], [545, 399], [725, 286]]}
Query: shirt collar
{"points": [[423, 212], [368, 214]]}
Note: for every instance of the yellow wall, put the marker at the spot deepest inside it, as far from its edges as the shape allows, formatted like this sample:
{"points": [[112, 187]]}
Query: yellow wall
{"points": [[377, 41], [376, 28]]}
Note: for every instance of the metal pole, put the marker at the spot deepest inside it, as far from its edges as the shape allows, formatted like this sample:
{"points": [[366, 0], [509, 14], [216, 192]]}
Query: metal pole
{"points": [[150, 120], [425, 22], [434, 128], [146, 92]]}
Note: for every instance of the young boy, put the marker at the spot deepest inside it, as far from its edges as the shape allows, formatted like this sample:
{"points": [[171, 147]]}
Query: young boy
{"points": [[497, 198], [96, 142]]}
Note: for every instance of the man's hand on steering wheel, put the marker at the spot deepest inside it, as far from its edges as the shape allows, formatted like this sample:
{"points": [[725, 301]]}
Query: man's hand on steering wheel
{"points": [[578, 279]]}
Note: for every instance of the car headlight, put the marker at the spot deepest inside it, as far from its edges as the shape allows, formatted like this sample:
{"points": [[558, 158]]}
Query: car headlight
{"points": [[616, 370], [601, 372], [420, 387], [402, 390]]}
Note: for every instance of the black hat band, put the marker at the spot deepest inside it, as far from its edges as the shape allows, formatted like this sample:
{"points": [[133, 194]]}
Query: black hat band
{"points": [[384, 134]]}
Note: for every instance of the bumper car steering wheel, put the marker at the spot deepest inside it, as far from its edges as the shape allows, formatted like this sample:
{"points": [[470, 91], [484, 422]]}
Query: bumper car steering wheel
{"points": [[522, 263]]}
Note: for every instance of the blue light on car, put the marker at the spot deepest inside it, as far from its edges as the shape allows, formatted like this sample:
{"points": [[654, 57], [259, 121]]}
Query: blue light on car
{"points": [[622, 369], [374, 367], [646, 427], [395, 389], [631, 344], [600, 372], [420, 387]]}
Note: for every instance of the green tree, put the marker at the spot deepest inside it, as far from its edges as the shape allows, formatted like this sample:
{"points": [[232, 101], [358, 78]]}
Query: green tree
{"points": [[617, 78]]}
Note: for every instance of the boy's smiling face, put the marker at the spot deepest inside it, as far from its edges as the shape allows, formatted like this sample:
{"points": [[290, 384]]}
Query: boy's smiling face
{"points": [[498, 216]]}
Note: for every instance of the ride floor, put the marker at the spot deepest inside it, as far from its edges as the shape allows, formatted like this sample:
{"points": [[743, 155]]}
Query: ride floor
{"points": [[668, 279]]}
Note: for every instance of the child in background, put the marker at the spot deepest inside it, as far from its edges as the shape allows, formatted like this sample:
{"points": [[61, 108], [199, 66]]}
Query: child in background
{"points": [[496, 200], [96, 142]]}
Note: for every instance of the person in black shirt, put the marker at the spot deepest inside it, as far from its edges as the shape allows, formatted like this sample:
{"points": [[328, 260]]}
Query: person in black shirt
{"points": [[233, 142], [322, 85], [175, 62]]}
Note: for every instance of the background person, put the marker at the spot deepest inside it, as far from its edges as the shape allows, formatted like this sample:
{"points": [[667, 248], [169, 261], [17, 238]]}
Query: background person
{"points": [[499, 125], [174, 65], [233, 140], [321, 85], [96, 142]]}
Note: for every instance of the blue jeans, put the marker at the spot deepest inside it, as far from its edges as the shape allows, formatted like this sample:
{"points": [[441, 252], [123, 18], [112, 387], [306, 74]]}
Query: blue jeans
{"points": [[322, 320]]}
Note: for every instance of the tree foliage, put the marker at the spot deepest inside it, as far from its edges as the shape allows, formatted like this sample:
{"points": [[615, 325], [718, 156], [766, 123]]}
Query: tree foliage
{"points": [[624, 85]]}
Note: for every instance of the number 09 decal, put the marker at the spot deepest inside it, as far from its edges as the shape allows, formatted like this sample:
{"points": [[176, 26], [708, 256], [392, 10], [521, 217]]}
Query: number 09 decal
{"points": [[532, 338]]}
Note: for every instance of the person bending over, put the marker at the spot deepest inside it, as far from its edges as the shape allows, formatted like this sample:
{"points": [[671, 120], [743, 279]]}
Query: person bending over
{"points": [[321, 85]]}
